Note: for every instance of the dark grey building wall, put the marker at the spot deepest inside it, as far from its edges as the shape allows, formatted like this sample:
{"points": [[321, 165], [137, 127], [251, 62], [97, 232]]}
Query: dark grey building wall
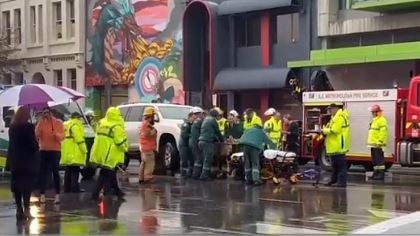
{"points": [[229, 55]]}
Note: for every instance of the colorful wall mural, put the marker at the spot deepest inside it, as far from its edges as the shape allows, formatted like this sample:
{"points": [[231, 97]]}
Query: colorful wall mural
{"points": [[136, 43]]}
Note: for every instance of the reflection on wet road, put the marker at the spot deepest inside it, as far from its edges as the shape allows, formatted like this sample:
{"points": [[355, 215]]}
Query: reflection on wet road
{"points": [[173, 206]]}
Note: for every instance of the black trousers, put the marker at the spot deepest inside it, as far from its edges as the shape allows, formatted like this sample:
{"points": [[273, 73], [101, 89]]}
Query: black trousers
{"points": [[104, 181], [339, 166], [378, 159], [71, 179], [114, 184], [50, 163]]}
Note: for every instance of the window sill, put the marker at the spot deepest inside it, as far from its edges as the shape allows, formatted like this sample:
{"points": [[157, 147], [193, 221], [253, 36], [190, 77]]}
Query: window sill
{"points": [[38, 45], [62, 42]]}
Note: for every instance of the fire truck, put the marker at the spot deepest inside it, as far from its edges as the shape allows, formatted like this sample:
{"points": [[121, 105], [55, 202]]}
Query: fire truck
{"points": [[401, 107]]}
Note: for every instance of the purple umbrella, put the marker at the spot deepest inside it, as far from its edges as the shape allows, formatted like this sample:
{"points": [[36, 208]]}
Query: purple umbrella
{"points": [[37, 94]]}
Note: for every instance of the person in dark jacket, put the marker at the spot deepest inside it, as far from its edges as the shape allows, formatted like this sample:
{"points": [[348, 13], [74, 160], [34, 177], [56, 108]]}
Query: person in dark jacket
{"points": [[234, 126], [252, 142], [185, 152], [193, 145], [23, 158], [209, 135]]}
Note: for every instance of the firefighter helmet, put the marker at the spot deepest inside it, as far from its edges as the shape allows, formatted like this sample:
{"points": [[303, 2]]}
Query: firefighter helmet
{"points": [[149, 111], [271, 111]]}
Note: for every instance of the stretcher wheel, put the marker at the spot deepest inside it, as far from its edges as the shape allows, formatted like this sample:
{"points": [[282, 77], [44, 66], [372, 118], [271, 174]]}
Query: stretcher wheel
{"points": [[276, 180], [293, 179]]}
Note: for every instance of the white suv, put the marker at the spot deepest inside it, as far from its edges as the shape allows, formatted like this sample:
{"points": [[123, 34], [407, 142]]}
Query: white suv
{"points": [[169, 119]]}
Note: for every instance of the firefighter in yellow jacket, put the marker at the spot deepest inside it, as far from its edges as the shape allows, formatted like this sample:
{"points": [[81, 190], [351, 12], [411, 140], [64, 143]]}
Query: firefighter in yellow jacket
{"points": [[273, 127], [221, 121], [337, 139], [377, 140], [251, 119], [73, 152], [108, 149]]}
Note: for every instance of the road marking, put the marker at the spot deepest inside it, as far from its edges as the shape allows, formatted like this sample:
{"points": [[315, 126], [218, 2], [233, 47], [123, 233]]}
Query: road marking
{"points": [[267, 228], [278, 200], [174, 212], [387, 225], [218, 230]]}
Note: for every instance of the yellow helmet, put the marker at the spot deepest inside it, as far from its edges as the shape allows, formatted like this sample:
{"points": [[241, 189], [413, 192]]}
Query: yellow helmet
{"points": [[220, 111], [149, 111]]}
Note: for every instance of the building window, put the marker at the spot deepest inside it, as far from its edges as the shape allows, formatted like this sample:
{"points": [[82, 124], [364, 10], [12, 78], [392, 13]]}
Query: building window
{"points": [[58, 23], [40, 22], [72, 18], [7, 79], [248, 31], [343, 4], [285, 28], [18, 78], [32, 24], [17, 27], [73, 78], [6, 26], [58, 77]]}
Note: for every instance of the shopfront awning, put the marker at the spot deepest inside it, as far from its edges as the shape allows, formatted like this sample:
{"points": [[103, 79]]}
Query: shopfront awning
{"points": [[248, 79], [241, 6], [359, 55]]}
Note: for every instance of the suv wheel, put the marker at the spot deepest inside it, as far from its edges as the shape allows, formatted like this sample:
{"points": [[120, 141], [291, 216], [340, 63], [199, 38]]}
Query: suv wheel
{"points": [[167, 158]]}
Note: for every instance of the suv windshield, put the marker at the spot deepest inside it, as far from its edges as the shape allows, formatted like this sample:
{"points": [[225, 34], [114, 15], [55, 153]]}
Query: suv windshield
{"points": [[63, 111], [174, 113]]}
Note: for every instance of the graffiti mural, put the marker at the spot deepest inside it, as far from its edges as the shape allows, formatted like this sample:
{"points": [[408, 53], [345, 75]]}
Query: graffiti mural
{"points": [[136, 43]]}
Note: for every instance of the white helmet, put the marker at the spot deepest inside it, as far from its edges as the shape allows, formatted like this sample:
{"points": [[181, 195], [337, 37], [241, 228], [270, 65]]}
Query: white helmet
{"points": [[234, 113], [271, 111], [195, 110]]}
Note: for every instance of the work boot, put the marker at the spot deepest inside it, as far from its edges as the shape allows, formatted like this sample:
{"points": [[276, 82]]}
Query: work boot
{"points": [[329, 184]]}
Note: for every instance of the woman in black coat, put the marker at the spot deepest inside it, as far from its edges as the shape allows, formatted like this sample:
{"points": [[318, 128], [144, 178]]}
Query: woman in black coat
{"points": [[23, 158]]}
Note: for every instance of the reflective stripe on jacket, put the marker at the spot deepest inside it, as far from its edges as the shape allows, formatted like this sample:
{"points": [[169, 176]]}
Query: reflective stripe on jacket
{"points": [[378, 132], [337, 134], [273, 128], [73, 147]]}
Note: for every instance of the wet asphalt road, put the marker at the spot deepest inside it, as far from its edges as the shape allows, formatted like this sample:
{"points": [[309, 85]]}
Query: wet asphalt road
{"points": [[175, 206]]}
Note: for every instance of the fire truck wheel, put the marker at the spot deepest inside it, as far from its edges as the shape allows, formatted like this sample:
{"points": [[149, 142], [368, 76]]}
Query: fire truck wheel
{"points": [[325, 161]]}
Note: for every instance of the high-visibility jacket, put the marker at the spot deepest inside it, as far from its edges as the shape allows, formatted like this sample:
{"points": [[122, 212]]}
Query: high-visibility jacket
{"points": [[222, 125], [378, 132], [337, 133], [346, 130], [256, 120], [274, 129], [73, 147], [110, 143]]}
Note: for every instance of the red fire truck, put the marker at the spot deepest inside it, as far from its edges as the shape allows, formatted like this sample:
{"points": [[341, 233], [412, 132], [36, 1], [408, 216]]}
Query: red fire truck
{"points": [[401, 108]]}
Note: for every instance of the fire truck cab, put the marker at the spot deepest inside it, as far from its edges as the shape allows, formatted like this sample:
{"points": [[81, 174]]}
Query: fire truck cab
{"points": [[400, 106]]}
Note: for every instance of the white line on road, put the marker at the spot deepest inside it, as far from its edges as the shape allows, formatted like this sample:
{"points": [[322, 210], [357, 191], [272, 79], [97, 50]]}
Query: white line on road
{"points": [[175, 212], [387, 225], [278, 200], [218, 230]]}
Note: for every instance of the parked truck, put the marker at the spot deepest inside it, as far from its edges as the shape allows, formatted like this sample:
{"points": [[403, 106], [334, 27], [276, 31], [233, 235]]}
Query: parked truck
{"points": [[401, 107]]}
